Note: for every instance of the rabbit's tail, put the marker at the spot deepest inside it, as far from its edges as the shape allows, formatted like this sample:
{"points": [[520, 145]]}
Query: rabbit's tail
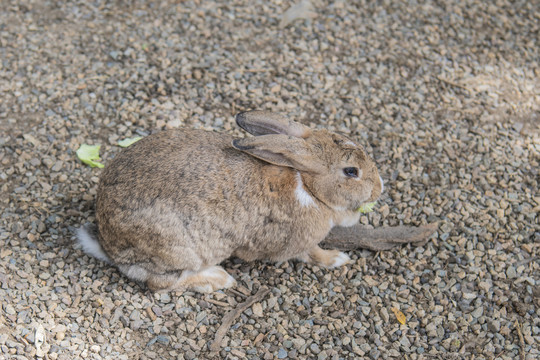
{"points": [[87, 238]]}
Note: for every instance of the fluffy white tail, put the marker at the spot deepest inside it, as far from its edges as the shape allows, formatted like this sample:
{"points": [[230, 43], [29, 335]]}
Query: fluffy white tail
{"points": [[90, 244]]}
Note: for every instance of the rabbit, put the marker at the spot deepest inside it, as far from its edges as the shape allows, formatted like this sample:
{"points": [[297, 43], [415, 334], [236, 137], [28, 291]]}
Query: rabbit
{"points": [[174, 205]]}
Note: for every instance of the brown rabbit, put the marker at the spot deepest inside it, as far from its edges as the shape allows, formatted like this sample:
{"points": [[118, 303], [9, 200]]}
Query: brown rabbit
{"points": [[174, 205]]}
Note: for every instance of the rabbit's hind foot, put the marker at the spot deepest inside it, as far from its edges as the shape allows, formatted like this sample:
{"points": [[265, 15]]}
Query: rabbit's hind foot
{"points": [[154, 281], [208, 280]]}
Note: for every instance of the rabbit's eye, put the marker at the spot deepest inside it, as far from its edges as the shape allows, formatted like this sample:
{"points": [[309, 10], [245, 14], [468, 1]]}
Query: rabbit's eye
{"points": [[351, 172]]}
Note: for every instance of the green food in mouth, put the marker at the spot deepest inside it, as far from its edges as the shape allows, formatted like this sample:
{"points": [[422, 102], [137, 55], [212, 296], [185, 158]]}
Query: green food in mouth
{"points": [[367, 207]]}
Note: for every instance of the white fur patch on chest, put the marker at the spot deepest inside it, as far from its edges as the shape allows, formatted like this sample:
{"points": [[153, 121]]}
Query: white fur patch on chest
{"points": [[301, 194]]}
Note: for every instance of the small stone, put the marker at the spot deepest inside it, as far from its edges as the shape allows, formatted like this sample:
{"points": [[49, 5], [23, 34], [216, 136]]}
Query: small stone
{"points": [[57, 166], [174, 123], [529, 339], [9, 309], [44, 276], [366, 310], [494, 326], [374, 354], [511, 272], [469, 296], [365, 347], [322, 356], [48, 162], [384, 315], [478, 312], [200, 317], [484, 286], [505, 331], [257, 309], [156, 310], [314, 348], [404, 341], [41, 227], [151, 314], [282, 353], [298, 342], [135, 315], [136, 324]]}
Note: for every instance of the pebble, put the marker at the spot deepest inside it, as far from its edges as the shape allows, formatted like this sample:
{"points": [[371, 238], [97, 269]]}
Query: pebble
{"points": [[404, 341], [511, 272], [282, 354], [478, 312], [374, 354], [494, 326], [9, 309], [257, 309], [298, 342]]}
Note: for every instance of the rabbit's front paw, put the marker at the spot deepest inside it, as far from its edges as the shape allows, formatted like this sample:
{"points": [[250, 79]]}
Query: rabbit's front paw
{"points": [[208, 280], [328, 258]]}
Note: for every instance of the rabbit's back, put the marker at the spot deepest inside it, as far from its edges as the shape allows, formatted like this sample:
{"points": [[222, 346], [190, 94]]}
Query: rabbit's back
{"points": [[188, 194]]}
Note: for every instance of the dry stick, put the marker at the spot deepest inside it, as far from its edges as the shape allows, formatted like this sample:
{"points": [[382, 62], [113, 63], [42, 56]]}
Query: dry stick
{"points": [[229, 318], [521, 341], [449, 82], [358, 236], [217, 302]]}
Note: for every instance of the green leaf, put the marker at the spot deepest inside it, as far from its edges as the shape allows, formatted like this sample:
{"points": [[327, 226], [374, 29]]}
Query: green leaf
{"points": [[126, 142], [88, 153], [367, 207]]}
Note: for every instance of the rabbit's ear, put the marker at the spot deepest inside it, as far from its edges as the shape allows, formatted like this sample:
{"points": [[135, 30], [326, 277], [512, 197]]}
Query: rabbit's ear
{"points": [[266, 122], [282, 150]]}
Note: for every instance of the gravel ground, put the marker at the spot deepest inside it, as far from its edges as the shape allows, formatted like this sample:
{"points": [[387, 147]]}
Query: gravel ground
{"points": [[445, 95]]}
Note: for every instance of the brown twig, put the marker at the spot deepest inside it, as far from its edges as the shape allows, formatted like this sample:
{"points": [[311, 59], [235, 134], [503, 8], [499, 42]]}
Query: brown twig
{"points": [[217, 302], [229, 318], [526, 261], [358, 236], [449, 82], [521, 340]]}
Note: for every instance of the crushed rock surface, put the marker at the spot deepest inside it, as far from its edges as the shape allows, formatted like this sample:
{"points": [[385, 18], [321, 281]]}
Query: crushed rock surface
{"points": [[445, 95]]}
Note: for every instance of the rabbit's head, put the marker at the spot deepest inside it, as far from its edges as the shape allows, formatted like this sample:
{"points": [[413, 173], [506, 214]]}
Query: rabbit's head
{"points": [[334, 169]]}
